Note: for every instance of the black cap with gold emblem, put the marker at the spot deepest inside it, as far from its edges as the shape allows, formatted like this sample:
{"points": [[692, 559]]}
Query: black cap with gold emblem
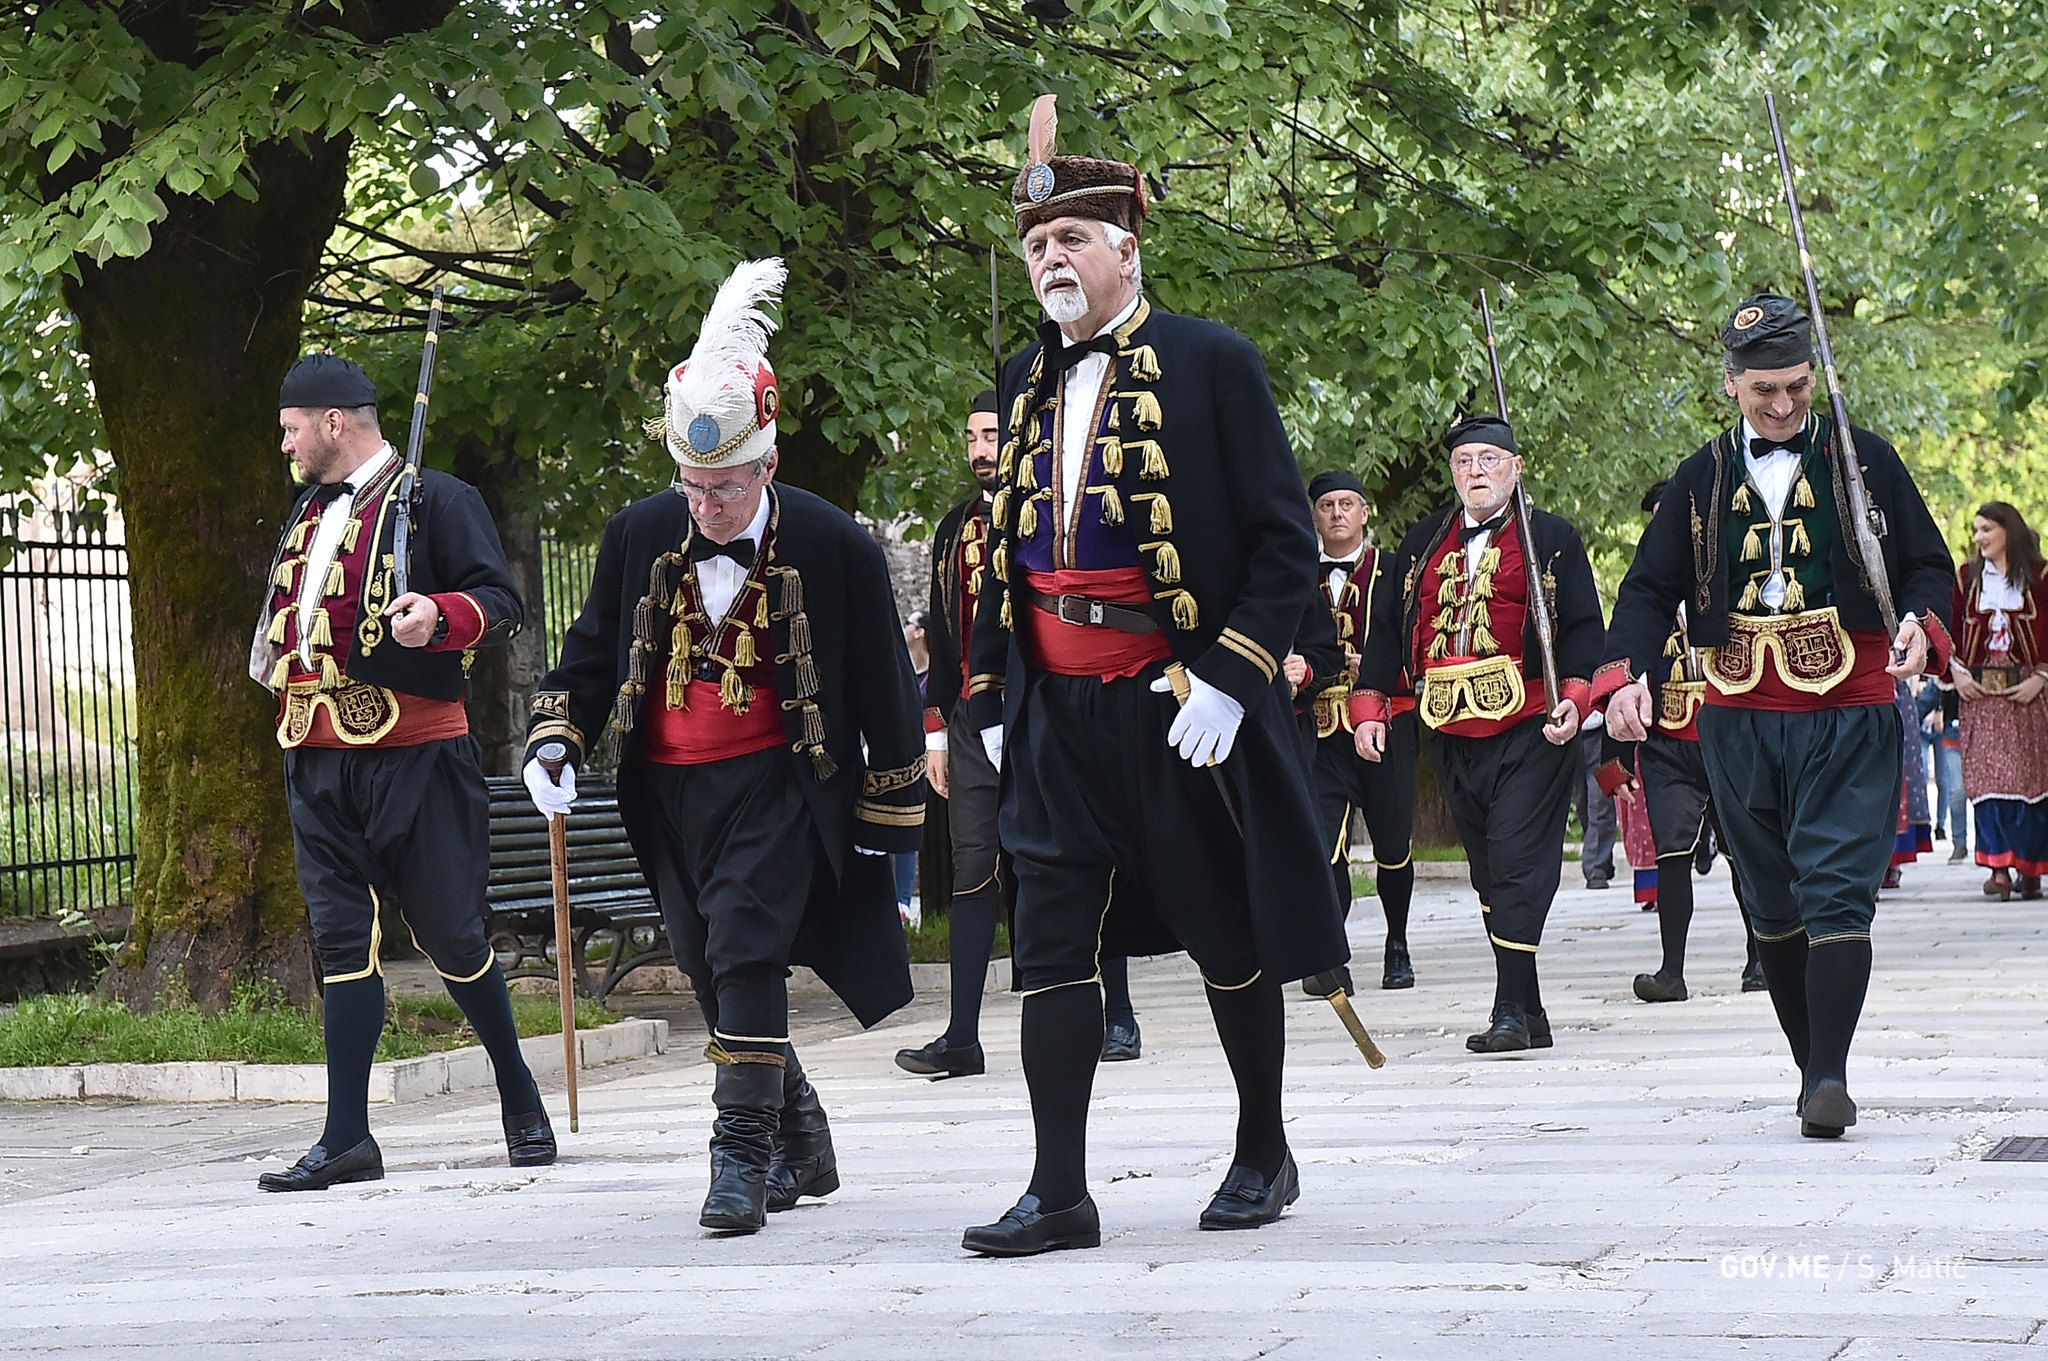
{"points": [[1053, 186], [1769, 331]]}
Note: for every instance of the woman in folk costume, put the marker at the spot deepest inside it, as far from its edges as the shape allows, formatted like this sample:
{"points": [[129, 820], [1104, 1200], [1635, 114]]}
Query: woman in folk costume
{"points": [[2000, 669], [741, 650]]}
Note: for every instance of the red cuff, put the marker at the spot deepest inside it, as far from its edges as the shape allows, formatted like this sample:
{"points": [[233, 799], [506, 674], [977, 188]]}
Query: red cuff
{"points": [[1941, 649], [934, 721], [1609, 678], [1611, 775], [1367, 706], [466, 621], [1580, 694]]}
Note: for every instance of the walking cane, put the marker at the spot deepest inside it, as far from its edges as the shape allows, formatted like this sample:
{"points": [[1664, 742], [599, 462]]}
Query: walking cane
{"points": [[552, 757], [1329, 986]]}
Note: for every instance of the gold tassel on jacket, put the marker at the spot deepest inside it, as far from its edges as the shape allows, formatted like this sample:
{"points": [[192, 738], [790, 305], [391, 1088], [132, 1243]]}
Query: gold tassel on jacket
{"points": [[1441, 622], [1017, 412], [1802, 493], [1484, 644], [761, 608], [1027, 474], [744, 653], [1145, 409], [800, 633], [1027, 518], [733, 692], [1795, 595], [1112, 456], [1740, 505], [1154, 467], [276, 634], [1112, 504], [349, 534], [1187, 616], [1489, 561], [1168, 566], [1000, 560], [1003, 617], [792, 592], [282, 577], [1447, 590], [1162, 513], [1144, 364], [999, 509], [1671, 647], [806, 674], [814, 725], [1440, 647], [1752, 545], [677, 680], [1750, 595], [1800, 543], [330, 674], [323, 632], [336, 582], [281, 674]]}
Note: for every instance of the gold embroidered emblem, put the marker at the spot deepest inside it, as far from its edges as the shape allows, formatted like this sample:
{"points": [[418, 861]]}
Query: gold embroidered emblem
{"points": [[1811, 652], [1489, 688]]}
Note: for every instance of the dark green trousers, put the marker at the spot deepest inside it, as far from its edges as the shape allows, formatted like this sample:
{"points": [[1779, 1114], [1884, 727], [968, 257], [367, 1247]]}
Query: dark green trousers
{"points": [[1809, 806]]}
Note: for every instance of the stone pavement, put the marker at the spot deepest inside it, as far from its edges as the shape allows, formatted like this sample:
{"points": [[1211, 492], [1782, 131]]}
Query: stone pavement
{"points": [[1639, 1190]]}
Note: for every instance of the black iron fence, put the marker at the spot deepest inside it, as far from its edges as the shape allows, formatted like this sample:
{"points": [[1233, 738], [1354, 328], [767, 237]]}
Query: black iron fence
{"points": [[67, 728], [67, 717]]}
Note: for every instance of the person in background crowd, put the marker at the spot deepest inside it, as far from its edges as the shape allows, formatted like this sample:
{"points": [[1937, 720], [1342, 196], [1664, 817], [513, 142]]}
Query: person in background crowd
{"points": [[1596, 811], [1941, 726], [915, 638], [2000, 669]]}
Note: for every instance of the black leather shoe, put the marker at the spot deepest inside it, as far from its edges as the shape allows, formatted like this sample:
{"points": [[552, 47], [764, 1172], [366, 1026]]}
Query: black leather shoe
{"points": [[317, 1170], [1753, 978], [529, 1139], [1399, 971], [1508, 1033], [1120, 1042], [1594, 881], [1246, 1200], [1656, 987], [804, 1163], [1027, 1230], [1826, 1110], [1539, 1029], [942, 1059]]}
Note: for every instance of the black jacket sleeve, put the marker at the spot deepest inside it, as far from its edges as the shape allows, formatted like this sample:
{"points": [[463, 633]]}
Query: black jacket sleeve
{"points": [[889, 815], [473, 583], [942, 682], [1658, 578], [573, 702]]}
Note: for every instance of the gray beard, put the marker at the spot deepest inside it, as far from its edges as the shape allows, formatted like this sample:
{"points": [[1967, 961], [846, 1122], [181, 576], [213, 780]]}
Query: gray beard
{"points": [[1066, 306]]}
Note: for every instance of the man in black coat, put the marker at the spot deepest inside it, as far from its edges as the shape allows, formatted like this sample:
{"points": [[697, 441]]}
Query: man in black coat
{"points": [[1462, 624], [741, 650], [385, 784], [1153, 558], [1798, 731]]}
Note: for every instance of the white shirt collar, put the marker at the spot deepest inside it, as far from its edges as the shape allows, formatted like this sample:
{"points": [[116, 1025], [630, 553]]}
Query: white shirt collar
{"points": [[758, 526]]}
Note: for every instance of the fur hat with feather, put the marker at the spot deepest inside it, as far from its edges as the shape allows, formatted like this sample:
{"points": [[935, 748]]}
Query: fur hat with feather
{"points": [[719, 408]]}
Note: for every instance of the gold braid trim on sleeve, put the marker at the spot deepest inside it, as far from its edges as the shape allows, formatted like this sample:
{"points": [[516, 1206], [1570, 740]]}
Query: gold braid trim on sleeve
{"points": [[878, 782]]}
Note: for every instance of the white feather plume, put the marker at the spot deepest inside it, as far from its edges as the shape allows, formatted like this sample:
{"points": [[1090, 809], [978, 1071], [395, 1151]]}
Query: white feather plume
{"points": [[717, 380]]}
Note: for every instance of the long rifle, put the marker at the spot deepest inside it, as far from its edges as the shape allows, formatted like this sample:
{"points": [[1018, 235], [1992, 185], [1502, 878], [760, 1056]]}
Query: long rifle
{"points": [[1539, 599], [415, 442], [552, 757], [1866, 521]]}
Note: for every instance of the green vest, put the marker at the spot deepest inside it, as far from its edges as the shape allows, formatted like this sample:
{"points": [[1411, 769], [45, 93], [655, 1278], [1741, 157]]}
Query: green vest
{"points": [[1797, 549]]}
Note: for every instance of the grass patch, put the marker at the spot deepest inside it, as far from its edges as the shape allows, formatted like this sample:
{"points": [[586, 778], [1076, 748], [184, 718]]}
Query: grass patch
{"points": [[930, 941], [79, 1028], [1438, 853], [1363, 885]]}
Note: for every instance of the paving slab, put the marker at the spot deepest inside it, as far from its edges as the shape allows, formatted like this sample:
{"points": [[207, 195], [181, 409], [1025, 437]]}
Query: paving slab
{"points": [[1639, 1189]]}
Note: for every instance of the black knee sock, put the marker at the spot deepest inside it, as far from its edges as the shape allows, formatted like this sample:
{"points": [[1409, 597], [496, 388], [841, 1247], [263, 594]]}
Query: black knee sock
{"points": [[1674, 910], [1250, 1021], [1397, 889], [488, 1008], [1837, 977], [1116, 990], [1062, 1043], [971, 938], [1514, 973], [1784, 964], [1340, 875], [352, 1019]]}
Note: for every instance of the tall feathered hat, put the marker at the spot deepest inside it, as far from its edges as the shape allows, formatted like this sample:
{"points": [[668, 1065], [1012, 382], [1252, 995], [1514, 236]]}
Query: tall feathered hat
{"points": [[719, 409], [1053, 186]]}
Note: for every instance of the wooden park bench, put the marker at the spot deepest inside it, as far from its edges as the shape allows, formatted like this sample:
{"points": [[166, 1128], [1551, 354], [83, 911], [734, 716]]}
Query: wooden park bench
{"points": [[615, 924]]}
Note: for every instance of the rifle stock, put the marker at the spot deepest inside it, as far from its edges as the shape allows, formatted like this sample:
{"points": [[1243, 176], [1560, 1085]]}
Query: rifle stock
{"points": [[415, 443], [1539, 598], [1866, 521]]}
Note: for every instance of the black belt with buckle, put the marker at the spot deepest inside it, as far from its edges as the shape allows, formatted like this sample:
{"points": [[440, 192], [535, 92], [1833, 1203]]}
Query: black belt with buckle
{"points": [[1091, 613]]}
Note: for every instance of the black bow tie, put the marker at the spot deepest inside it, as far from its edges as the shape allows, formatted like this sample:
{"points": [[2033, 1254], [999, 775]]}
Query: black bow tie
{"points": [[740, 551], [1467, 533], [328, 493], [1330, 565], [1760, 447], [1070, 355]]}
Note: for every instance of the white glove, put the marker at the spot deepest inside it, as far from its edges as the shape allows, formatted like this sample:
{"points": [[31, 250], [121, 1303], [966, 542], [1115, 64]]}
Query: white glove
{"points": [[992, 743], [551, 798], [869, 850], [1205, 729]]}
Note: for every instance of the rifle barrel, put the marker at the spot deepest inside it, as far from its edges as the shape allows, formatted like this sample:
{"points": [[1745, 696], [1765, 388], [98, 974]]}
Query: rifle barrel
{"points": [[1525, 529]]}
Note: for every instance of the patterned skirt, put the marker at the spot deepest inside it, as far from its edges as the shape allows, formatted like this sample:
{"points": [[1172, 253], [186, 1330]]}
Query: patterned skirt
{"points": [[2005, 774]]}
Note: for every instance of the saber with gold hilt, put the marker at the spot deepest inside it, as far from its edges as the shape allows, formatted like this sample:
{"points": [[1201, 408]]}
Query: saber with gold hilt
{"points": [[1329, 986], [552, 757]]}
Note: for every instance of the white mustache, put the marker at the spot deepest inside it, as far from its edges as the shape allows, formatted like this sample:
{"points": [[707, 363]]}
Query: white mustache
{"points": [[1057, 274]]}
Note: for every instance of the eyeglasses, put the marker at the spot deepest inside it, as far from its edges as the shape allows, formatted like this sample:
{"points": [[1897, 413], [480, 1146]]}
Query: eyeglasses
{"points": [[1485, 463], [725, 493]]}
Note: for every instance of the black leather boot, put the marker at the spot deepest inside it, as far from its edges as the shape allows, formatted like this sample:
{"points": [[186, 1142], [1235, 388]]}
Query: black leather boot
{"points": [[804, 1164], [748, 1095], [1507, 1033]]}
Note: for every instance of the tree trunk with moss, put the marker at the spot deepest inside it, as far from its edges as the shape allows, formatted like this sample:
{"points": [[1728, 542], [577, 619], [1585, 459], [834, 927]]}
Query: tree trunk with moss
{"points": [[187, 345]]}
